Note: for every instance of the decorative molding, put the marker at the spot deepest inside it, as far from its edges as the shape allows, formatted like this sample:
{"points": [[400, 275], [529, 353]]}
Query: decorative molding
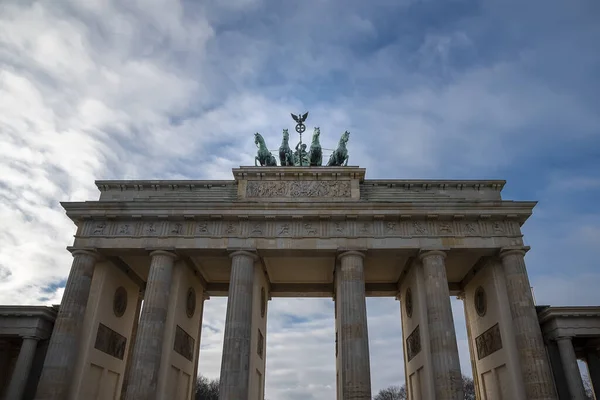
{"points": [[298, 189]]}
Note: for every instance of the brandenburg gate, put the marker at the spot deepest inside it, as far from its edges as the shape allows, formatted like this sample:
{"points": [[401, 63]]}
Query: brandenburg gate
{"points": [[294, 231]]}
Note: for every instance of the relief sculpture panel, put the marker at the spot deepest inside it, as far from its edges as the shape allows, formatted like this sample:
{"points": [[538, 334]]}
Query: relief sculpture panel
{"points": [[184, 343], [110, 342], [488, 342], [296, 189], [413, 344]]}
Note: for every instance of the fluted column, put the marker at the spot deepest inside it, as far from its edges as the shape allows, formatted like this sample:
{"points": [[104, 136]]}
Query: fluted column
{"points": [[471, 339], [569, 364], [537, 375], [235, 364], [442, 337], [20, 374], [134, 330], [63, 348], [143, 376], [197, 350], [353, 332]]}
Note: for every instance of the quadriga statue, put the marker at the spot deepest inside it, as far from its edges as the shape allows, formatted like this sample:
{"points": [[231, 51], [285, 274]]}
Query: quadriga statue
{"points": [[340, 155], [264, 156]]}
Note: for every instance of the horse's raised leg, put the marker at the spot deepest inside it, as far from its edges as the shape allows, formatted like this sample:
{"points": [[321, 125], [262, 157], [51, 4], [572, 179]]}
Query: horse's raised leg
{"points": [[347, 158], [256, 160]]}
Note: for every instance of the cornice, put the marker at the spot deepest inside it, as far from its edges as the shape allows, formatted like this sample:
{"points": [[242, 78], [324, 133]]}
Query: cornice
{"points": [[104, 185], [295, 173], [451, 209], [44, 312], [282, 173], [551, 313]]}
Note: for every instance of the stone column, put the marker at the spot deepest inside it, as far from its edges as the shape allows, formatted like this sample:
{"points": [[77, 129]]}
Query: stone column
{"points": [[235, 364], [64, 343], [143, 377], [569, 363], [353, 333], [537, 375], [442, 337], [132, 341], [197, 349], [593, 364], [20, 374], [470, 339]]}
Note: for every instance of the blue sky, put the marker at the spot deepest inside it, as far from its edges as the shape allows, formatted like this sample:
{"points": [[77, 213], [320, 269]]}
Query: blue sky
{"points": [[160, 89]]}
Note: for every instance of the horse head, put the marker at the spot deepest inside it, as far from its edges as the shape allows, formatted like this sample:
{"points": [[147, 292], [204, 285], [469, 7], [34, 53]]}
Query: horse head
{"points": [[344, 138], [258, 139], [316, 134], [286, 135]]}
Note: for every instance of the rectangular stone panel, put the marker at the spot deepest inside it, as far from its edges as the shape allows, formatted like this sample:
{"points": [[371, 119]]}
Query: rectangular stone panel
{"points": [[298, 189], [261, 344], [488, 342], [184, 343], [110, 342], [413, 344]]}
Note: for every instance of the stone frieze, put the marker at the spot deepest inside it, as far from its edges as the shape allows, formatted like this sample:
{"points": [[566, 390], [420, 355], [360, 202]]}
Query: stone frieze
{"points": [[301, 228], [298, 189]]}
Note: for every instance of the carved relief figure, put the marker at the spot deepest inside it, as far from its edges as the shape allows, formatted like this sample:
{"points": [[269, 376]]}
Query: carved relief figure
{"points": [[445, 227], [340, 155], [316, 153], [177, 228], [231, 228], [340, 227], [419, 228], [257, 229], [124, 229], [498, 228], [413, 344], [99, 229], [309, 229], [285, 229], [298, 189], [203, 227], [286, 156], [150, 228], [365, 228], [390, 227], [488, 342], [263, 156], [470, 228]]}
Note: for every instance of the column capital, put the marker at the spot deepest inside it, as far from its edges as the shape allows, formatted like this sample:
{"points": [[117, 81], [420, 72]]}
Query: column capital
{"points": [[461, 296], [247, 253], [161, 252], [33, 337], [564, 338], [89, 252], [506, 251], [423, 253], [346, 253]]}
